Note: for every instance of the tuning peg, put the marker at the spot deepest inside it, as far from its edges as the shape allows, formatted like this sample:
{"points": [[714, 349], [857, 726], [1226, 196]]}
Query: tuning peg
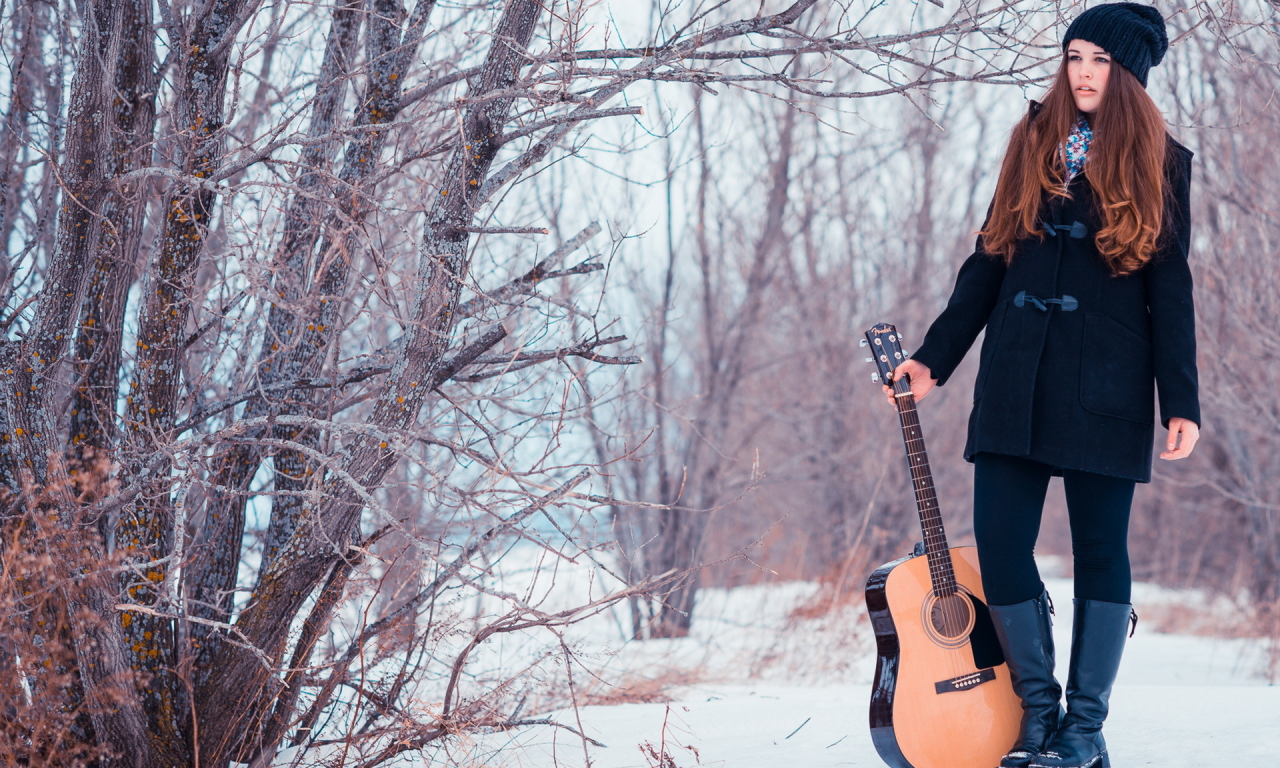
{"points": [[875, 377], [862, 342], [905, 353], [869, 360]]}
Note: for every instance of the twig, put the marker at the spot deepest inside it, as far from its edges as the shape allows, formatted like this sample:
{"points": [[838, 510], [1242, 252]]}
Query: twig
{"points": [[798, 727], [410, 606], [503, 230], [462, 359], [266, 662], [516, 361], [540, 271], [219, 316], [574, 117], [520, 723]]}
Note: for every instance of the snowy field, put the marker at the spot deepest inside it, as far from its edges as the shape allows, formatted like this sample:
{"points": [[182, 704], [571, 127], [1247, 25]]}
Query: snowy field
{"points": [[774, 676], [767, 685]]}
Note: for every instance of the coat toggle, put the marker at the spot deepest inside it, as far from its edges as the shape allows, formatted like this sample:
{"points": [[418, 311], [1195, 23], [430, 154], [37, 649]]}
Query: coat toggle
{"points": [[1068, 303], [1076, 229]]}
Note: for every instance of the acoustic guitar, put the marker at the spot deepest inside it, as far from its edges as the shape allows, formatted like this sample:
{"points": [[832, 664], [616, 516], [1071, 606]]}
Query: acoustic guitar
{"points": [[942, 695]]}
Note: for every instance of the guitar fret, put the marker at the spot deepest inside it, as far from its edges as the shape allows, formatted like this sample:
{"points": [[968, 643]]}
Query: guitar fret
{"points": [[941, 572]]}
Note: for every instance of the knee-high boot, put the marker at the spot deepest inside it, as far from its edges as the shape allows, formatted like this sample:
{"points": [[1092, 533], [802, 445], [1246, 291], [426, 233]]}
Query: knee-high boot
{"points": [[1097, 640], [1026, 637]]}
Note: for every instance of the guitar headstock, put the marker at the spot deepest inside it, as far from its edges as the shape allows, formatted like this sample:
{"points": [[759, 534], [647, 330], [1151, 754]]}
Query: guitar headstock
{"points": [[885, 344]]}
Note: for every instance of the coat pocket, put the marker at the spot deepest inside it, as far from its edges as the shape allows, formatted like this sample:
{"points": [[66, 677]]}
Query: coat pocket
{"points": [[1116, 371], [990, 340]]}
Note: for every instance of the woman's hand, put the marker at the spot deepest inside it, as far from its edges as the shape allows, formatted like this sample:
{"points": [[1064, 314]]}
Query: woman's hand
{"points": [[921, 380], [1188, 431]]}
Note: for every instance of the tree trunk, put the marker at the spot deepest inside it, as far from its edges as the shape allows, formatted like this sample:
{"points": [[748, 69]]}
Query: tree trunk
{"points": [[304, 562]]}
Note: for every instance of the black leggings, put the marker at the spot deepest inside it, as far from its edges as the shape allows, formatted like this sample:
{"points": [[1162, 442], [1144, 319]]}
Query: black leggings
{"points": [[1008, 498]]}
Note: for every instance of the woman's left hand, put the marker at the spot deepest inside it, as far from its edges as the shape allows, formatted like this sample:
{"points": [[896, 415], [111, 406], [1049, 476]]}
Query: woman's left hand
{"points": [[1188, 431]]}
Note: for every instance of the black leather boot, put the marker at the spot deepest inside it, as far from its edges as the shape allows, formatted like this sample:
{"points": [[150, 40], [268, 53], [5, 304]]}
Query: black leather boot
{"points": [[1026, 637], [1097, 639]]}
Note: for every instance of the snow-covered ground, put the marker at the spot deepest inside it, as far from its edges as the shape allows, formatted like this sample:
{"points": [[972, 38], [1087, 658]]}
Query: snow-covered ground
{"points": [[766, 685], [779, 675], [778, 726]]}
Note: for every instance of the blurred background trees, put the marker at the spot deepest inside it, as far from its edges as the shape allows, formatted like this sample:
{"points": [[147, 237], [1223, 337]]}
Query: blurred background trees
{"points": [[881, 203]]}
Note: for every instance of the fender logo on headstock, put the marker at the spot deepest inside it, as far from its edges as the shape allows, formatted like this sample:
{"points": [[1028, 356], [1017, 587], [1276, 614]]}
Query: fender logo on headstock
{"points": [[884, 343], [965, 682]]}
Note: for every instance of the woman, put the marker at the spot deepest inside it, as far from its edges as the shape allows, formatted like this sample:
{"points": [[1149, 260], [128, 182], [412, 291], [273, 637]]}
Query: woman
{"points": [[1080, 279]]}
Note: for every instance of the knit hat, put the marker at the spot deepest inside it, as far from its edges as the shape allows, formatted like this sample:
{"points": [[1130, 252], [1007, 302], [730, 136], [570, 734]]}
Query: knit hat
{"points": [[1133, 34]]}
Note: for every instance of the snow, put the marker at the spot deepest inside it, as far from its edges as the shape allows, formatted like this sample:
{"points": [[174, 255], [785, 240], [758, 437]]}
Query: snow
{"points": [[773, 675], [779, 691], [750, 726]]}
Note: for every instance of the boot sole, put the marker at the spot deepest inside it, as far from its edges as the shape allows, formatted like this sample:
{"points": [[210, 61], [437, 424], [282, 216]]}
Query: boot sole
{"points": [[1101, 761]]}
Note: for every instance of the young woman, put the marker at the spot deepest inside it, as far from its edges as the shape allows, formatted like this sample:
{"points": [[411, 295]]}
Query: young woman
{"points": [[1080, 279]]}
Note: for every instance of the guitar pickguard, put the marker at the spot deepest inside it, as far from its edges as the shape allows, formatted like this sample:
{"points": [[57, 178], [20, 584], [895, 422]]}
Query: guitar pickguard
{"points": [[982, 638]]}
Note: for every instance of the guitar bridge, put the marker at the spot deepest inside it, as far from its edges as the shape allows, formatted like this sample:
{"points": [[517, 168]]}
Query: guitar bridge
{"points": [[965, 682]]}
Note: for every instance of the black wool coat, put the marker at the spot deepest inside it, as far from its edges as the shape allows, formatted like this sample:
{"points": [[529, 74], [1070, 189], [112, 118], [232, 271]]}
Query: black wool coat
{"points": [[1070, 384]]}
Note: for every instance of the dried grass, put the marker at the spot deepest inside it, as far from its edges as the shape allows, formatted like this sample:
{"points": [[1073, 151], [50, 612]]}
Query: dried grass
{"points": [[638, 689], [45, 716], [840, 586], [1220, 618]]}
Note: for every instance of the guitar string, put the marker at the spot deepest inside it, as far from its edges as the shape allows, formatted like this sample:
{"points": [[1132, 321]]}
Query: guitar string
{"points": [[935, 537], [954, 613], [954, 616], [941, 574], [941, 570]]}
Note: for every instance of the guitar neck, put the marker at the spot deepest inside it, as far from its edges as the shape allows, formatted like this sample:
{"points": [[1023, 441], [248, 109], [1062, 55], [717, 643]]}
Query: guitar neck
{"points": [[941, 571]]}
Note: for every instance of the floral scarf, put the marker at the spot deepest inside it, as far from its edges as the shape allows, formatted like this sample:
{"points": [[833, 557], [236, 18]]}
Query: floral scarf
{"points": [[1077, 147]]}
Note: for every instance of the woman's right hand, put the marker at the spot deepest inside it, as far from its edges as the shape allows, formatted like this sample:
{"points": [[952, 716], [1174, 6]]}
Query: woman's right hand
{"points": [[921, 378]]}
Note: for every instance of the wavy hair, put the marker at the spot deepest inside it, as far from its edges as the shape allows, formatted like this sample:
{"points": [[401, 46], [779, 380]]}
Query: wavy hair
{"points": [[1125, 167]]}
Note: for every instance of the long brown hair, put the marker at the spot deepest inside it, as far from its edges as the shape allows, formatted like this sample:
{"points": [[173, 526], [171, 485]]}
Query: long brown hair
{"points": [[1125, 168]]}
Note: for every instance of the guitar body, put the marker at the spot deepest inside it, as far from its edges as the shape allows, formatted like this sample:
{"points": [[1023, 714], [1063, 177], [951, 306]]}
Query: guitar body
{"points": [[942, 695]]}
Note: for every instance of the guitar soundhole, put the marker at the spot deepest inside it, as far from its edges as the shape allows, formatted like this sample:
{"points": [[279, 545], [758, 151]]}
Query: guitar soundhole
{"points": [[948, 619], [950, 616]]}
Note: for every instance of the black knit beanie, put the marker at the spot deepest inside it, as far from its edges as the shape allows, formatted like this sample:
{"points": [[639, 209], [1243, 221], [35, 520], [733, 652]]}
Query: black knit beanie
{"points": [[1133, 34]]}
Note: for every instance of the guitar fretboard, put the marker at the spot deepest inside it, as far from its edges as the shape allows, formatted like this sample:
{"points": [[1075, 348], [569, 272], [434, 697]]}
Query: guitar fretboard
{"points": [[941, 572]]}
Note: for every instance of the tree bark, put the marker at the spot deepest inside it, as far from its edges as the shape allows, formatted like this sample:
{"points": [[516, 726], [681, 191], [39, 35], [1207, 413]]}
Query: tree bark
{"points": [[98, 352], [29, 377], [145, 531]]}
